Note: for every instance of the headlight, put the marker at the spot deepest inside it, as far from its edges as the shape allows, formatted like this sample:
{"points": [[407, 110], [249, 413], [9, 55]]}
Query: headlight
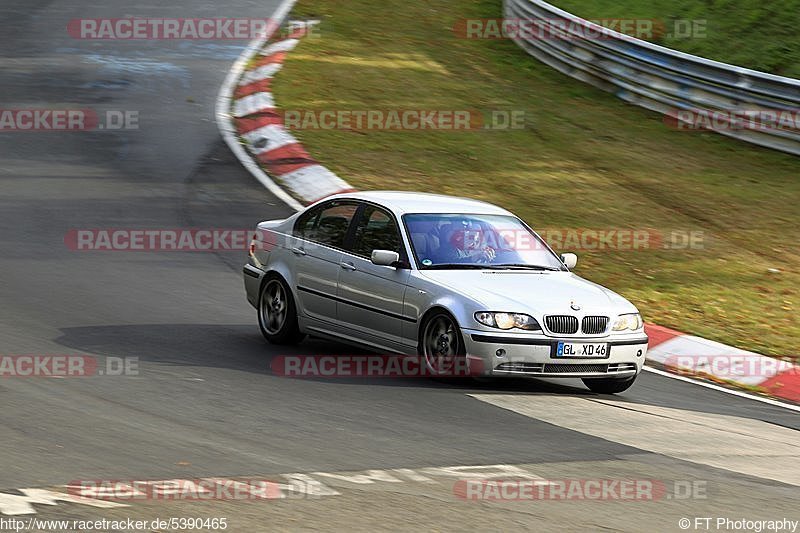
{"points": [[631, 322], [507, 320]]}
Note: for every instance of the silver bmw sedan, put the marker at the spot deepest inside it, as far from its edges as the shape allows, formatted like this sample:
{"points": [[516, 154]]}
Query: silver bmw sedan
{"points": [[456, 282]]}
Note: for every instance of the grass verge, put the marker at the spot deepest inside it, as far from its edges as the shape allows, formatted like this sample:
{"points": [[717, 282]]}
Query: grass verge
{"points": [[749, 33], [585, 160]]}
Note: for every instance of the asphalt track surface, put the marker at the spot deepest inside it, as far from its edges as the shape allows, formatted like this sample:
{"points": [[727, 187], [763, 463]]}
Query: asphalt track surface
{"points": [[205, 402]]}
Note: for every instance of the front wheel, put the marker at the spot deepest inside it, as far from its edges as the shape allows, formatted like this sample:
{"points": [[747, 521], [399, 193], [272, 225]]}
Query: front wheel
{"points": [[277, 313], [609, 385], [442, 346]]}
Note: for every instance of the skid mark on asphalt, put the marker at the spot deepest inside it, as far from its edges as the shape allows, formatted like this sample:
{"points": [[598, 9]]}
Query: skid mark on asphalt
{"points": [[732, 443]]}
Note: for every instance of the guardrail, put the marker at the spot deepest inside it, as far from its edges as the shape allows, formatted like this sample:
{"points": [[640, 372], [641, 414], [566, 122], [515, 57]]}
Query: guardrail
{"points": [[659, 78]]}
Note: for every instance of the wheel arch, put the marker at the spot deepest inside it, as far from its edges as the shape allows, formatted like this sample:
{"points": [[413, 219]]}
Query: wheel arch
{"points": [[282, 271], [461, 311]]}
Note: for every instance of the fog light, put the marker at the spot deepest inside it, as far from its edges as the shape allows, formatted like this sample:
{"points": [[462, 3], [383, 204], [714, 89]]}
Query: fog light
{"points": [[500, 353]]}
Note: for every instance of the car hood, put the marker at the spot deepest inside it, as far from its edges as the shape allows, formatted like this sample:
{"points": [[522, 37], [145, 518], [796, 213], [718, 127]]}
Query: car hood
{"points": [[532, 292]]}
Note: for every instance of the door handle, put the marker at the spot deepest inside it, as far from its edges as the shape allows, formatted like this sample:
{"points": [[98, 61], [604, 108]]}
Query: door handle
{"points": [[298, 251], [347, 266]]}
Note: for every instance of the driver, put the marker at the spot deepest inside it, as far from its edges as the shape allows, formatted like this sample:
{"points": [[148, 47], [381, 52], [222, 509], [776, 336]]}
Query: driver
{"points": [[464, 243]]}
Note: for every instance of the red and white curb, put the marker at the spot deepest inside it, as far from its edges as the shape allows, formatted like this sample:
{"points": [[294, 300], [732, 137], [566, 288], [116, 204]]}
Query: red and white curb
{"points": [[246, 110], [688, 355]]}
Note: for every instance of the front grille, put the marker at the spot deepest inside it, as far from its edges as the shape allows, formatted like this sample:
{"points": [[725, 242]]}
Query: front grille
{"points": [[562, 324], [558, 368], [594, 325], [552, 368]]}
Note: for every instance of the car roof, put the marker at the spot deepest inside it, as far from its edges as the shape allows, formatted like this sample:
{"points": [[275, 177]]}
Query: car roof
{"points": [[402, 202]]}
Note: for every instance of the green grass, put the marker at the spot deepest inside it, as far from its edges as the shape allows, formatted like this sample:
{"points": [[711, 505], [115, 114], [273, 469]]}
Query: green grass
{"points": [[584, 160], [756, 34]]}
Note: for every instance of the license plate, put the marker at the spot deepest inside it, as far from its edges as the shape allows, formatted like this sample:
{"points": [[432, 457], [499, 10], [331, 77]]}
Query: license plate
{"points": [[581, 349]]}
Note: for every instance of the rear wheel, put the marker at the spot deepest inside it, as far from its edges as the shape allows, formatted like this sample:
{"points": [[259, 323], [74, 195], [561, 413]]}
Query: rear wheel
{"points": [[277, 313], [609, 385], [442, 346]]}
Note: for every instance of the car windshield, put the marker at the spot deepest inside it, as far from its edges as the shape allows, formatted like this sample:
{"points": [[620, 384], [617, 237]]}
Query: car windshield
{"points": [[453, 241]]}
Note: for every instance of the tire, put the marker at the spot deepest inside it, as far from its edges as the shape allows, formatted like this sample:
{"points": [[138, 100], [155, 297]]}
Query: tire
{"points": [[277, 312], [609, 385], [442, 347]]}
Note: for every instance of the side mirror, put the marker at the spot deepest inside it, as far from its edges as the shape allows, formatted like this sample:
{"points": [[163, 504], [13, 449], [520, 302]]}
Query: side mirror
{"points": [[570, 260], [385, 258]]}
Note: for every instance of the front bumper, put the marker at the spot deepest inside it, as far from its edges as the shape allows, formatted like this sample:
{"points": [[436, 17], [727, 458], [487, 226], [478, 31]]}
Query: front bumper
{"points": [[525, 355]]}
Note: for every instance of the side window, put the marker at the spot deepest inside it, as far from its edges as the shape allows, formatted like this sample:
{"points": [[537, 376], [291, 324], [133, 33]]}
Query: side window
{"points": [[376, 231], [326, 225], [305, 224]]}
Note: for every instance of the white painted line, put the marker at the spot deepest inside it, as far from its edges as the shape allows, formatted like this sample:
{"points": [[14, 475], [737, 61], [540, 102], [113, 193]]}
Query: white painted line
{"points": [[261, 73], [96, 493], [281, 46], [17, 504], [253, 104], [730, 442], [741, 394], [225, 122]]}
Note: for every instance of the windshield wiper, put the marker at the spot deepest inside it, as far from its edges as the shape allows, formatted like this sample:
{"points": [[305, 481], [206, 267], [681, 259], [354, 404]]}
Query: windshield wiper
{"points": [[447, 266], [523, 266], [488, 266]]}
